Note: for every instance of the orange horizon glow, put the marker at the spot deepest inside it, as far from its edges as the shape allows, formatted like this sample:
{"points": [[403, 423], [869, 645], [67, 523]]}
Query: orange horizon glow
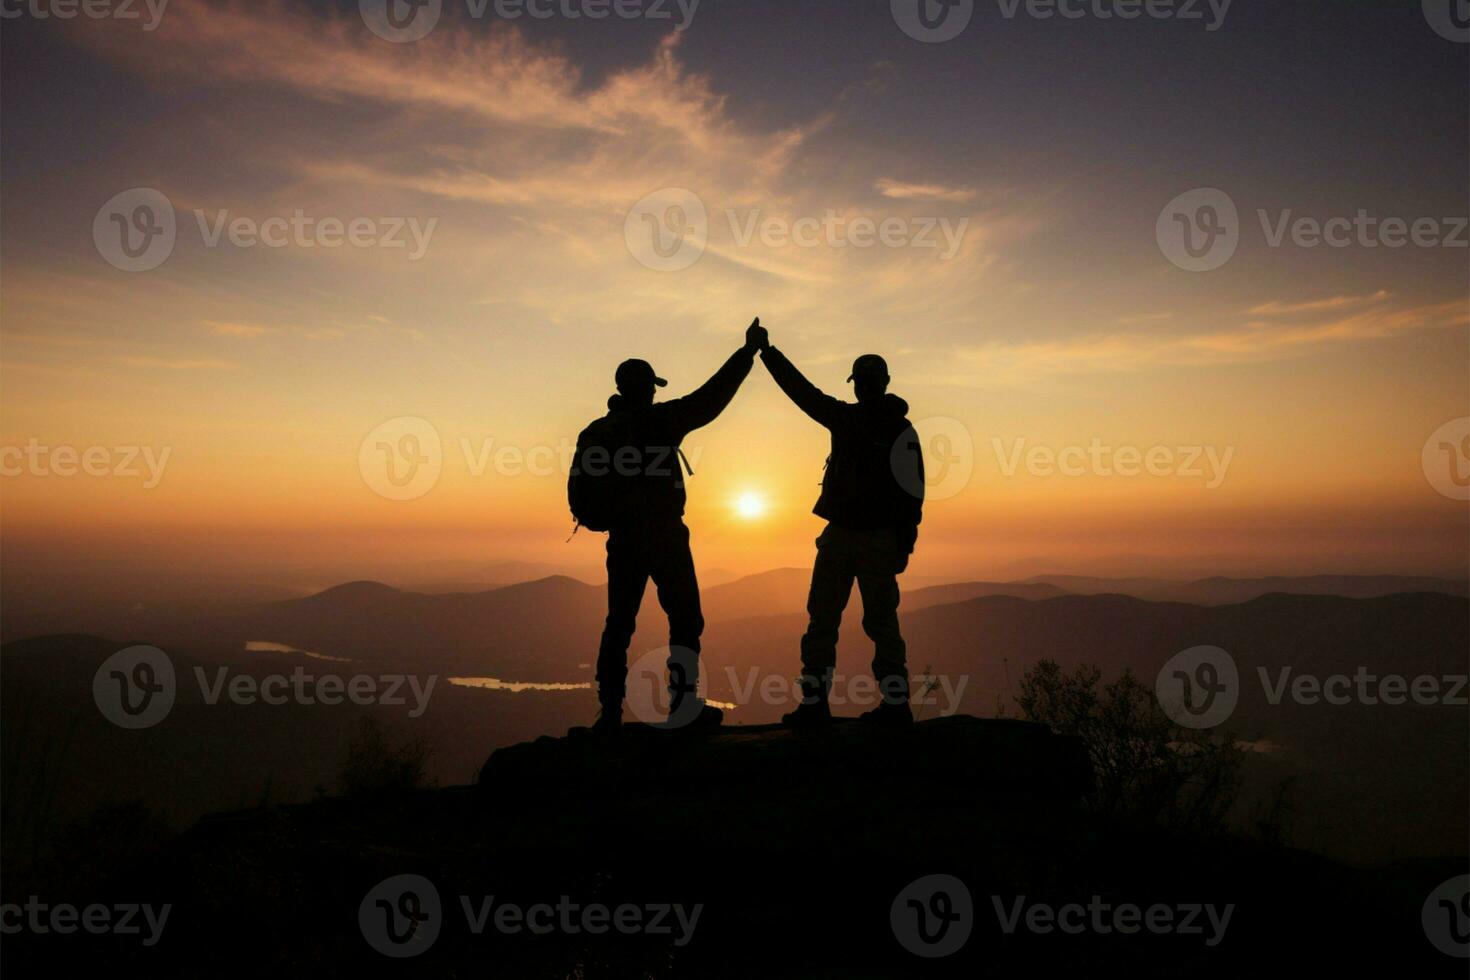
{"points": [[263, 374]]}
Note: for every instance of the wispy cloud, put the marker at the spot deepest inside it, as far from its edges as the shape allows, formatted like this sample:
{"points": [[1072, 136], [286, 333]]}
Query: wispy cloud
{"points": [[1253, 341], [900, 190], [1278, 308], [240, 330]]}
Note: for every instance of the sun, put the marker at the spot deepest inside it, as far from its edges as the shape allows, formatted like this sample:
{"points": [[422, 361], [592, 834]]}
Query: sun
{"points": [[750, 506]]}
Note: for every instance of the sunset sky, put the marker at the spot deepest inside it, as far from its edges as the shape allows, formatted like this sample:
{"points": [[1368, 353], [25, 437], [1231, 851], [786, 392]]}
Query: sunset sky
{"points": [[1036, 155]]}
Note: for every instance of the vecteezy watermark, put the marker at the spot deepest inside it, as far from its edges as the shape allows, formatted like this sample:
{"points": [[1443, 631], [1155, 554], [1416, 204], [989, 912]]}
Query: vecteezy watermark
{"points": [[62, 918], [136, 231], [1449, 18], [1200, 688], [1200, 230], [669, 230], [302, 688], [860, 690], [935, 459], [1446, 917], [836, 230], [403, 916], [1102, 918], [1446, 459], [933, 916], [1209, 463], [1364, 687], [508, 459], [653, 680], [937, 21], [120, 462], [932, 21], [402, 458], [402, 21], [126, 10], [137, 686]]}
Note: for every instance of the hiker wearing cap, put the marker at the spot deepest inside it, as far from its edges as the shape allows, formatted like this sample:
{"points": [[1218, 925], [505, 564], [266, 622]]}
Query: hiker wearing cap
{"points": [[872, 499], [627, 480]]}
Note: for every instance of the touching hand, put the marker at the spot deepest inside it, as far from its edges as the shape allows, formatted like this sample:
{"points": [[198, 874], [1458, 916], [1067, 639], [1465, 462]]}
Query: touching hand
{"points": [[756, 337]]}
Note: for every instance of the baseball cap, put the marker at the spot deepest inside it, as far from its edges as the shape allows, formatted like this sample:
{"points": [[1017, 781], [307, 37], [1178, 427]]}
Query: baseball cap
{"points": [[869, 364], [635, 371]]}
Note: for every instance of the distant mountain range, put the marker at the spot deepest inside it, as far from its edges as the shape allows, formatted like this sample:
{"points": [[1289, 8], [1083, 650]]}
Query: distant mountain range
{"points": [[1370, 781]]}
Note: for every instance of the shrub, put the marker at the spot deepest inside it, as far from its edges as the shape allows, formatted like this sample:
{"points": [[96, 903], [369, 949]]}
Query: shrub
{"points": [[1146, 767]]}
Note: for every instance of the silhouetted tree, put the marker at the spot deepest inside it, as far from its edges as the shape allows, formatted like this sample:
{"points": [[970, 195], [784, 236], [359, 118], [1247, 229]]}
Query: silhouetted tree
{"points": [[1145, 765], [376, 761]]}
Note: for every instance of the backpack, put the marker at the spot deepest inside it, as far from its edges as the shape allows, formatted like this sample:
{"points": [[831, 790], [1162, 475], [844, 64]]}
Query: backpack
{"points": [[598, 495]]}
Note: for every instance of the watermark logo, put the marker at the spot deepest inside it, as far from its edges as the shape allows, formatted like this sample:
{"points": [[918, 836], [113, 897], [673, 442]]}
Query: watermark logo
{"points": [[1207, 463], [1199, 687], [402, 458], [1449, 18], [1199, 230], [1446, 459], [135, 687], [1183, 10], [401, 21], [1364, 687], [933, 916], [948, 458], [37, 460], [135, 231], [1103, 918], [1446, 917], [299, 687], [668, 230], [943, 691], [838, 231], [651, 700], [401, 916], [91, 9], [932, 21], [123, 919]]}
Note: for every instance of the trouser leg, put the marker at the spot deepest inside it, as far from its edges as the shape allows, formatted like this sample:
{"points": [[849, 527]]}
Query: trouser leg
{"points": [[880, 594], [627, 578], [831, 586], [678, 593]]}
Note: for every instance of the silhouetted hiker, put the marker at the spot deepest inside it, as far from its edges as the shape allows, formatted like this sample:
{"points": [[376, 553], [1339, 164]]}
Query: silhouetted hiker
{"points": [[627, 480], [872, 499]]}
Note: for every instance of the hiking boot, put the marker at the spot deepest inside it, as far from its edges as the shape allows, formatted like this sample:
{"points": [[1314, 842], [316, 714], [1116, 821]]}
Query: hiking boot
{"points": [[887, 713], [814, 711], [693, 715], [815, 714], [709, 717]]}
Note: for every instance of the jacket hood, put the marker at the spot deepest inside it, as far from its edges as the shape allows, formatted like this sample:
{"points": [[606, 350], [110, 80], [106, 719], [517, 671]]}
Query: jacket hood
{"points": [[891, 404]]}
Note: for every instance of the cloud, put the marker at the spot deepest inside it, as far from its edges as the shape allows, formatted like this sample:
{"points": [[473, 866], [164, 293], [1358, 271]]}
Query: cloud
{"points": [[1277, 308], [923, 192], [241, 330], [1253, 341]]}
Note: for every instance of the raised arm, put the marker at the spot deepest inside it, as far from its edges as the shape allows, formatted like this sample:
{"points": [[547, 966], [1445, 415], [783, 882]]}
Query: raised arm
{"points": [[704, 404], [822, 407]]}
